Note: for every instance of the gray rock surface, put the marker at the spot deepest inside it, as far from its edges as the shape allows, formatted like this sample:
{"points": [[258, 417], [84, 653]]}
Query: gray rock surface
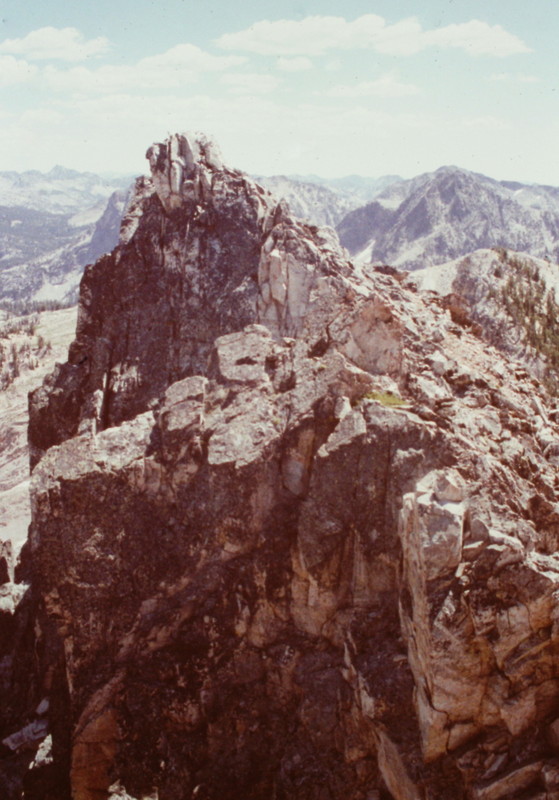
{"points": [[510, 299]]}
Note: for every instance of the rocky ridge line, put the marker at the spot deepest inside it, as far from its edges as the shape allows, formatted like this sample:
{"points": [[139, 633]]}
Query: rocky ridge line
{"points": [[326, 518]]}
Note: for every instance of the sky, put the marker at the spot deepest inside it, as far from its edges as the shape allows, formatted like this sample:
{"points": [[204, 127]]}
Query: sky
{"points": [[285, 87]]}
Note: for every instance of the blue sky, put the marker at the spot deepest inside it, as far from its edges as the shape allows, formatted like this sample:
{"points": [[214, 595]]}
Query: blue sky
{"points": [[290, 86]]}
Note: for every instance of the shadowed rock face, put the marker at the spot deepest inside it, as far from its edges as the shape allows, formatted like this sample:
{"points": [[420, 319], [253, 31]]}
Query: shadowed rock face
{"points": [[255, 572], [150, 311]]}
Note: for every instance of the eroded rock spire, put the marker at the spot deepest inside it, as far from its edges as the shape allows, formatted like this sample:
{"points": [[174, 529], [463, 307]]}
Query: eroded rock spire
{"points": [[180, 168]]}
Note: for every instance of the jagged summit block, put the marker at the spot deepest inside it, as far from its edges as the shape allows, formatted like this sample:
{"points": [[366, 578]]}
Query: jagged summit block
{"points": [[180, 166], [204, 251], [185, 270]]}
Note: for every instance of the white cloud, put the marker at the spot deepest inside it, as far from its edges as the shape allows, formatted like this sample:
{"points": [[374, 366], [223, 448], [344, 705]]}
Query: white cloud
{"points": [[385, 86], [316, 35], [404, 38], [477, 38], [513, 77], [14, 70], [486, 122], [179, 66], [36, 117], [62, 44], [111, 79], [310, 36], [295, 64], [103, 116], [527, 79], [250, 82], [190, 57], [333, 65]]}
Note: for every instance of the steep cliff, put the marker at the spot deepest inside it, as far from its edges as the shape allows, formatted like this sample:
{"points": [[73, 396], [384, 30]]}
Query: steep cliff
{"points": [[294, 529], [29, 349]]}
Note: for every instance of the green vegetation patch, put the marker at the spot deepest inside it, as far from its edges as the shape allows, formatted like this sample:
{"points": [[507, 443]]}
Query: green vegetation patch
{"points": [[385, 398], [533, 308]]}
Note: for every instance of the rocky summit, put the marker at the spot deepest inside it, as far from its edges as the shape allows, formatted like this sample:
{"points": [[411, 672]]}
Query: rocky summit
{"points": [[294, 527]]}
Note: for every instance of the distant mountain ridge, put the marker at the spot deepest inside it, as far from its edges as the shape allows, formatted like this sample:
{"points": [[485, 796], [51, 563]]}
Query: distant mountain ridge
{"points": [[55, 274], [308, 200], [325, 201], [445, 214], [358, 189], [60, 191], [51, 225]]}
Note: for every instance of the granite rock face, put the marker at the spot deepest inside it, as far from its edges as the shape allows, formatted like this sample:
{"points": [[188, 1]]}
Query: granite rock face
{"points": [[293, 534]]}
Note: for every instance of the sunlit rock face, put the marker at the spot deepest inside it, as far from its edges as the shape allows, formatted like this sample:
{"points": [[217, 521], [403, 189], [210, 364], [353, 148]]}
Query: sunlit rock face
{"points": [[293, 534]]}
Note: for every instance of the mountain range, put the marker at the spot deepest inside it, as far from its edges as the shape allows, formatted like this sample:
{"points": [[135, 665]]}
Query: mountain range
{"points": [[448, 213], [357, 189], [314, 202], [53, 224], [60, 191]]}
